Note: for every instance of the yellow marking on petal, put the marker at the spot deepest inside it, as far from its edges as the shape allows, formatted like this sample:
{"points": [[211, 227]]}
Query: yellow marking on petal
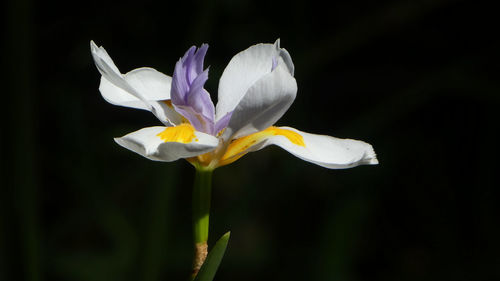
{"points": [[292, 136], [183, 133], [238, 147], [168, 103], [221, 132]]}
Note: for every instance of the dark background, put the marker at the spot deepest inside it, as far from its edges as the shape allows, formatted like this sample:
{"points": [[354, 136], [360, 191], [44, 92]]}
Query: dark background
{"points": [[416, 79]]}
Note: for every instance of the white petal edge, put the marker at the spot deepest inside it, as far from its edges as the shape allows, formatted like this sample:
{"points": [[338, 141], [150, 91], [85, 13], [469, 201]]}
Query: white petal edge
{"points": [[108, 69], [147, 143], [285, 56], [103, 61], [325, 151], [263, 104], [244, 69]]}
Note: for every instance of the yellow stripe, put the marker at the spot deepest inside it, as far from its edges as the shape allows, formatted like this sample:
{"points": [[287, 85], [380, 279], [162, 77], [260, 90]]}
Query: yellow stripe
{"points": [[238, 147], [183, 133], [168, 103]]}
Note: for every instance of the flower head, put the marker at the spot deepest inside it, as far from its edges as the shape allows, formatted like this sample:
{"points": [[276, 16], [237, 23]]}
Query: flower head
{"points": [[255, 90]]}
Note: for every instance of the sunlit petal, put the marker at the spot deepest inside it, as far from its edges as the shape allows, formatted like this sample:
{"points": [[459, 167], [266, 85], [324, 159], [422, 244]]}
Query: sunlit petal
{"points": [[326, 151], [263, 104], [168, 143], [142, 88], [244, 70]]}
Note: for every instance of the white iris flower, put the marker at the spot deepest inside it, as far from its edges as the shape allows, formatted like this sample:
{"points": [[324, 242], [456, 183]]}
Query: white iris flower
{"points": [[255, 90]]}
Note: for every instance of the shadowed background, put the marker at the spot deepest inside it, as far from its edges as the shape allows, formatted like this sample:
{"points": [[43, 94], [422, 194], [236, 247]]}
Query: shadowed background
{"points": [[413, 78]]}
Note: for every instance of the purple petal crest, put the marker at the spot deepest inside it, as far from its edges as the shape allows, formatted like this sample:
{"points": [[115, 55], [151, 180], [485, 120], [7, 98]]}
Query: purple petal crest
{"points": [[187, 93], [223, 122]]}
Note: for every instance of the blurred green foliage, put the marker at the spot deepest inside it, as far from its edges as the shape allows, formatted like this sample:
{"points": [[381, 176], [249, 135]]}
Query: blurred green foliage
{"points": [[417, 79]]}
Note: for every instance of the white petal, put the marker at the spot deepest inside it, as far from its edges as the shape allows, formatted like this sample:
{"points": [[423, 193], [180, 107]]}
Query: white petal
{"points": [[263, 104], [103, 61], [326, 151], [152, 85], [142, 88], [149, 144], [244, 70], [117, 96], [108, 69]]}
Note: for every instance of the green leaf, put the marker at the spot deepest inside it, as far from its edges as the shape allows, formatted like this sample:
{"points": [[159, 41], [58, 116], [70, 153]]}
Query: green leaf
{"points": [[209, 268]]}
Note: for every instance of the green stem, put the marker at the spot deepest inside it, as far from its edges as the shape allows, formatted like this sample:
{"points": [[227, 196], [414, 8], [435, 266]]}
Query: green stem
{"points": [[201, 204], [201, 213]]}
